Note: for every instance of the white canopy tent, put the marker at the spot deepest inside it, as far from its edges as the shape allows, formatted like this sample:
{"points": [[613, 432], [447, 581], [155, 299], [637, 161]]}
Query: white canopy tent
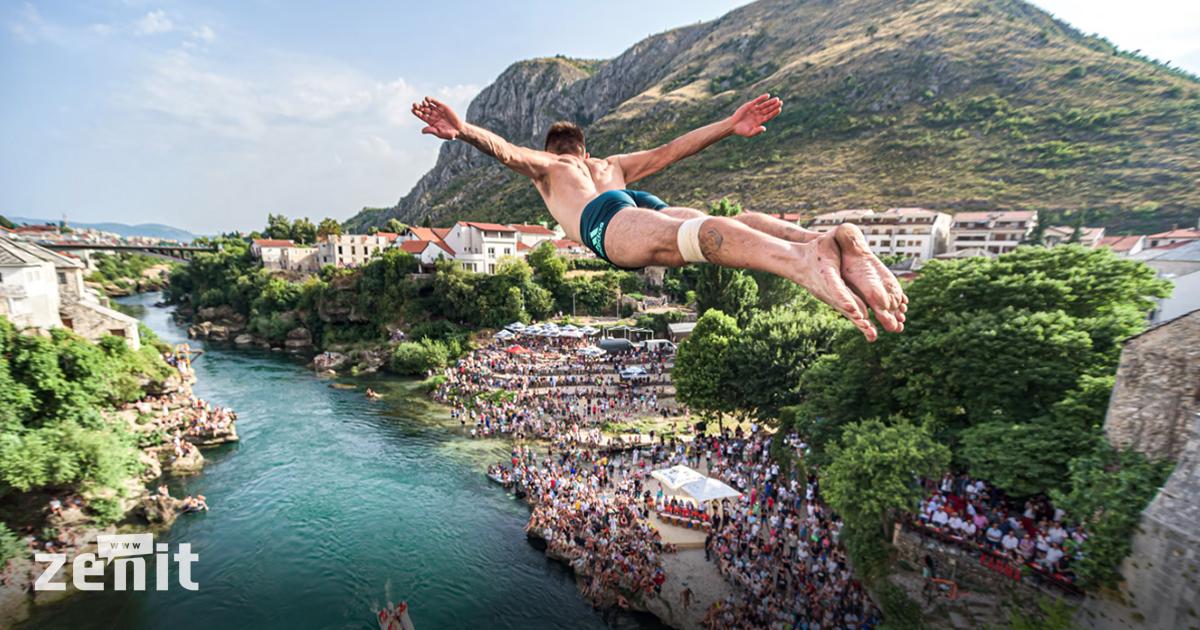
{"points": [[708, 489], [676, 477]]}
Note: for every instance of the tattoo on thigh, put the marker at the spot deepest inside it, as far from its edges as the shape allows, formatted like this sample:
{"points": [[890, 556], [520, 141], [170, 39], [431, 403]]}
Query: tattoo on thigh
{"points": [[711, 243]]}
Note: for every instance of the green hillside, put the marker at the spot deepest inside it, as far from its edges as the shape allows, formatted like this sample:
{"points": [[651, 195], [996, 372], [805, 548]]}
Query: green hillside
{"points": [[954, 105]]}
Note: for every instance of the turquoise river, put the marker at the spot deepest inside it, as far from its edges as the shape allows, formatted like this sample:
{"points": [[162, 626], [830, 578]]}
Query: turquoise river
{"points": [[329, 503]]}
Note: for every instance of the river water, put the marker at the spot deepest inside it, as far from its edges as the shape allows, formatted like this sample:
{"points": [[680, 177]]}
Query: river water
{"points": [[329, 503]]}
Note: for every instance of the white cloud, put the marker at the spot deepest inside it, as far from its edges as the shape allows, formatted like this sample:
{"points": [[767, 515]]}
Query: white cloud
{"points": [[204, 34], [154, 23]]}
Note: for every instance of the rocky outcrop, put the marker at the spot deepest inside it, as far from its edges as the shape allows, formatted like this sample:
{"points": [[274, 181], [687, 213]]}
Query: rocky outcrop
{"points": [[870, 86], [298, 339], [330, 361], [217, 323]]}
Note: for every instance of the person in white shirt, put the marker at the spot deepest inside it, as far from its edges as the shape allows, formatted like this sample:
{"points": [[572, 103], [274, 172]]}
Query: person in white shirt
{"points": [[1057, 534], [994, 535], [940, 518], [1009, 542], [956, 523]]}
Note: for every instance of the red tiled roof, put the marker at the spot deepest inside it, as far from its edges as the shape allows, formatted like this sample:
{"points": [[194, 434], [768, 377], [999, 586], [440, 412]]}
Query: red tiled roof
{"points": [[1188, 233], [565, 243], [272, 242], [36, 228], [521, 246], [489, 227], [531, 229], [391, 236], [1000, 215], [1120, 243], [414, 247]]}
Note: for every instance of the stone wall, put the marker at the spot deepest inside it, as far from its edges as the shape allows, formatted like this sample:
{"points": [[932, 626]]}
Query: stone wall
{"points": [[1157, 391], [1154, 409], [963, 566]]}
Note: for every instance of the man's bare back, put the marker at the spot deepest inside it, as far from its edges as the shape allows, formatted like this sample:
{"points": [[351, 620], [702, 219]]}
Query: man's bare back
{"points": [[590, 200]]}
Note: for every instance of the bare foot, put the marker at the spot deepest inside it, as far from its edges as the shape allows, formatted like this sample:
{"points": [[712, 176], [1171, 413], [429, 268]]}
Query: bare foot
{"points": [[820, 271], [870, 279]]}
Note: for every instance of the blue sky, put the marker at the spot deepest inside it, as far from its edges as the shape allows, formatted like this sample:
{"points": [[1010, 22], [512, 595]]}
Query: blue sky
{"points": [[207, 116]]}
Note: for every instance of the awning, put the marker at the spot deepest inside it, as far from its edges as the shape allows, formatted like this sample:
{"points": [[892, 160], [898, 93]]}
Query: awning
{"points": [[708, 489], [676, 476]]}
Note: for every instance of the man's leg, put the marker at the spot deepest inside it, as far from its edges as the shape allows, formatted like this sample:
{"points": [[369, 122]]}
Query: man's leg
{"points": [[863, 272], [638, 238]]}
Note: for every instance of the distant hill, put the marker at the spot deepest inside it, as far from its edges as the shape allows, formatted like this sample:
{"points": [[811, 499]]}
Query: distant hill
{"points": [[947, 104], [150, 230]]}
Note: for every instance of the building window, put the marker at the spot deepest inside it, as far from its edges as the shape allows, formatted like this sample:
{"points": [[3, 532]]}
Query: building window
{"points": [[339, 250], [507, 250], [491, 251]]}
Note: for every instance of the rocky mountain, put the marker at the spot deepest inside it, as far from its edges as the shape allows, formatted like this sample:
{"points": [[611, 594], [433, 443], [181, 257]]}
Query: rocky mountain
{"points": [[948, 104], [150, 230]]}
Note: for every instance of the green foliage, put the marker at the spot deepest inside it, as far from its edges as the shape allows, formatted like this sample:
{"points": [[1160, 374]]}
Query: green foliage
{"points": [[328, 226], [10, 544], [874, 468], [900, 612], [774, 350], [5, 223], [1108, 490], [106, 510], [124, 270], [702, 374], [52, 394], [414, 358], [1051, 614]]}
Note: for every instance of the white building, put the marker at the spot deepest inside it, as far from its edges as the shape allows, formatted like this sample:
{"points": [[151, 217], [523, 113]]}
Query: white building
{"points": [[28, 286], [300, 258], [1181, 266], [1061, 235], [478, 246], [914, 233], [997, 232], [50, 292], [352, 250], [270, 251], [428, 252]]}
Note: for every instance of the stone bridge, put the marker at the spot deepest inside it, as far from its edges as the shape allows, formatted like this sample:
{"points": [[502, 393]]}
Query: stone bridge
{"points": [[183, 253]]}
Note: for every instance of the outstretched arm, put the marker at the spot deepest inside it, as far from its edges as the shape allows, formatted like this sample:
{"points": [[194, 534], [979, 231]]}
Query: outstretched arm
{"points": [[747, 121], [441, 121]]}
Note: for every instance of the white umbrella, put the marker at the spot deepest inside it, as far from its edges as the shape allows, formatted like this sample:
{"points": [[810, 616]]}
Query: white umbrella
{"points": [[676, 476], [708, 489]]}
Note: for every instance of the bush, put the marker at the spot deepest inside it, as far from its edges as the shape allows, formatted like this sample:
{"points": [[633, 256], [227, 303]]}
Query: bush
{"points": [[414, 358], [10, 545], [899, 610], [106, 510]]}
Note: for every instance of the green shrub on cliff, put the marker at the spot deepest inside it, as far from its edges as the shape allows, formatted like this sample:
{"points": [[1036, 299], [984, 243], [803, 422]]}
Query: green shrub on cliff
{"points": [[414, 358]]}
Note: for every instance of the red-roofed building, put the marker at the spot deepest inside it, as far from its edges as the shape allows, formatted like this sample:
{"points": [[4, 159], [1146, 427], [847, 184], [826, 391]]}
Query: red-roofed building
{"points": [[427, 252], [531, 235], [1124, 245], [270, 251], [1171, 237]]}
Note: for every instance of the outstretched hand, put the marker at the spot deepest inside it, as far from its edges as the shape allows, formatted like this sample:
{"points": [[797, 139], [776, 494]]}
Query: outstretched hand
{"points": [[749, 119], [440, 120]]}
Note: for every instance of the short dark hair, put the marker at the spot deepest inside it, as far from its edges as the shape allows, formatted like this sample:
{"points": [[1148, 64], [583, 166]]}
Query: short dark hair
{"points": [[564, 138]]}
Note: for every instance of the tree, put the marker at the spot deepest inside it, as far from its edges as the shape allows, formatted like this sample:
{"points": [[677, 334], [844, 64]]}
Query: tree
{"points": [[548, 267], [874, 469], [1023, 458], [394, 226], [5, 223], [278, 227], [304, 232], [1108, 490], [701, 374], [328, 227], [774, 350]]}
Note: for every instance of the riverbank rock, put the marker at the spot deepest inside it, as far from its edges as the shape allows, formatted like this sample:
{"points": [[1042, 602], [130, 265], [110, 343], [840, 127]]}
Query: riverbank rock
{"points": [[244, 339], [298, 339], [327, 361], [368, 361], [160, 510], [191, 463]]}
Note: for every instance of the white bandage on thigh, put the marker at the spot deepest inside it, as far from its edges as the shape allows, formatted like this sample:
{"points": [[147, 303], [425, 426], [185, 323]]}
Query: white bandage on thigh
{"points": [[689, 240]]}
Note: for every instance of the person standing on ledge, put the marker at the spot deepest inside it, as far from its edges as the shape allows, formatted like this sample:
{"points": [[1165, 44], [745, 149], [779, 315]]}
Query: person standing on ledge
{"points": [[631, 229]]}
